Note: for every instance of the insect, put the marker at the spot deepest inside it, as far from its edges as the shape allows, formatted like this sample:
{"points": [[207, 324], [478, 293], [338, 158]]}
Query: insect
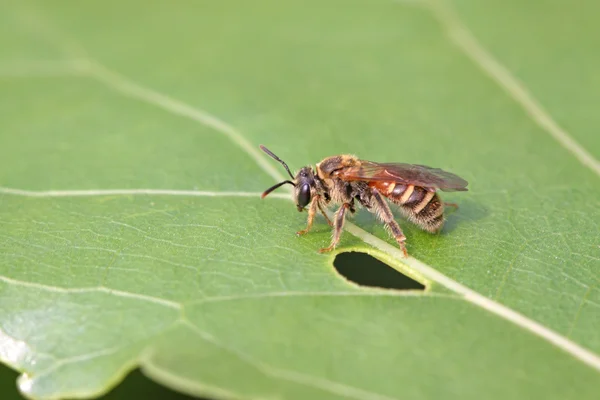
{"points": [[347, 180]]}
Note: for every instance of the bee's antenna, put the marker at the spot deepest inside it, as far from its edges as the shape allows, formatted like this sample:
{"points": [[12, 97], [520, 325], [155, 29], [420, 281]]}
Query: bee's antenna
{"points": [[269, 152], [269, 190]]}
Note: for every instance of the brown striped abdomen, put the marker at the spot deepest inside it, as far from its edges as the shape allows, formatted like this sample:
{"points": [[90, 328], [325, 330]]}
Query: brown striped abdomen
{"points": [[419, 205]]}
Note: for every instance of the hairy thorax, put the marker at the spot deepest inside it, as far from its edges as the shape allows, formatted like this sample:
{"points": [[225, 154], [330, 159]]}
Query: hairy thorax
{"points": [[338, 190]]}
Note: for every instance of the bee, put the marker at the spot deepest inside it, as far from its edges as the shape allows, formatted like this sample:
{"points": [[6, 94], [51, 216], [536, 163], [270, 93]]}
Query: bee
{"points": [[347, 180]]}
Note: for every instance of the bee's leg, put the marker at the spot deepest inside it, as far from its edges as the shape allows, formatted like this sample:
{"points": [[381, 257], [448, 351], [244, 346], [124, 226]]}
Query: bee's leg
{"points": [[382, 210], [324, 214], [340, 217], [312, 210], [454, 205]]}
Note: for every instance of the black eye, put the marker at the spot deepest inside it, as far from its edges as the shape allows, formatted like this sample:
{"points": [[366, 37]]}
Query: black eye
{"points": [[303, 196]]}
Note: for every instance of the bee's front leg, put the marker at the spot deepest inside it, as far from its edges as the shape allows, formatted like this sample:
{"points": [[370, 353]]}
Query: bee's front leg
{"points": [[340, 217], [312, 210]]}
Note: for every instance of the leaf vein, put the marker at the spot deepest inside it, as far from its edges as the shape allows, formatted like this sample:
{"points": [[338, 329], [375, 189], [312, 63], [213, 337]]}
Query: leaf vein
{"points": [[289, 375], [460, 36]]}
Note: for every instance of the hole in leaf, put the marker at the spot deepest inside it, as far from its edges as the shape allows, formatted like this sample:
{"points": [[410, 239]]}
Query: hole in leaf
{"points": [[365, 270]]}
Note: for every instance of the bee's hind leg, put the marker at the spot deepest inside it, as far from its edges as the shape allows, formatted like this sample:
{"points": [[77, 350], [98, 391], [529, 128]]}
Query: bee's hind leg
{"points": [[340, 217], [382, 210]]}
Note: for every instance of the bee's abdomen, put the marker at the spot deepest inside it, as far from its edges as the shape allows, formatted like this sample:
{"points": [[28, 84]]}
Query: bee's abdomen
{"points": [[419, 205]]}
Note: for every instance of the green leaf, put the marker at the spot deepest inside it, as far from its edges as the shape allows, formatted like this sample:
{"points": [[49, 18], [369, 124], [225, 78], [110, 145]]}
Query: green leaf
{"points": [[133, 233]]}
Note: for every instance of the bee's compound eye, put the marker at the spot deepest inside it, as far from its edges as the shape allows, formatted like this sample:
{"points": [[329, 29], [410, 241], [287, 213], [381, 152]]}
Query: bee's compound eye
{"points": [[303, 196]]}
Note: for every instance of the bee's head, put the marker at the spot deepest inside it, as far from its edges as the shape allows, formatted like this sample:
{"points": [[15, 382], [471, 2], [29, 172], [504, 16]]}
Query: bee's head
{"points": [[303, 183]]}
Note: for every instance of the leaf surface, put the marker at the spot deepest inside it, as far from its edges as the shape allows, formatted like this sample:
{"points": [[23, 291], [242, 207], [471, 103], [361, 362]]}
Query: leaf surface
{"points": [[133, 233]]}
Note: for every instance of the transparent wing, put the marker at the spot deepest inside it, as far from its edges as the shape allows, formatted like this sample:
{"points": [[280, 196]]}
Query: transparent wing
{"points": [[407, 174]]}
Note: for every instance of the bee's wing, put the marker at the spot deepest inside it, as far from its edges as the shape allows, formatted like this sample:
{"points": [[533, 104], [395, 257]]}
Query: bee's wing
{"points": [[407, 174]]}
